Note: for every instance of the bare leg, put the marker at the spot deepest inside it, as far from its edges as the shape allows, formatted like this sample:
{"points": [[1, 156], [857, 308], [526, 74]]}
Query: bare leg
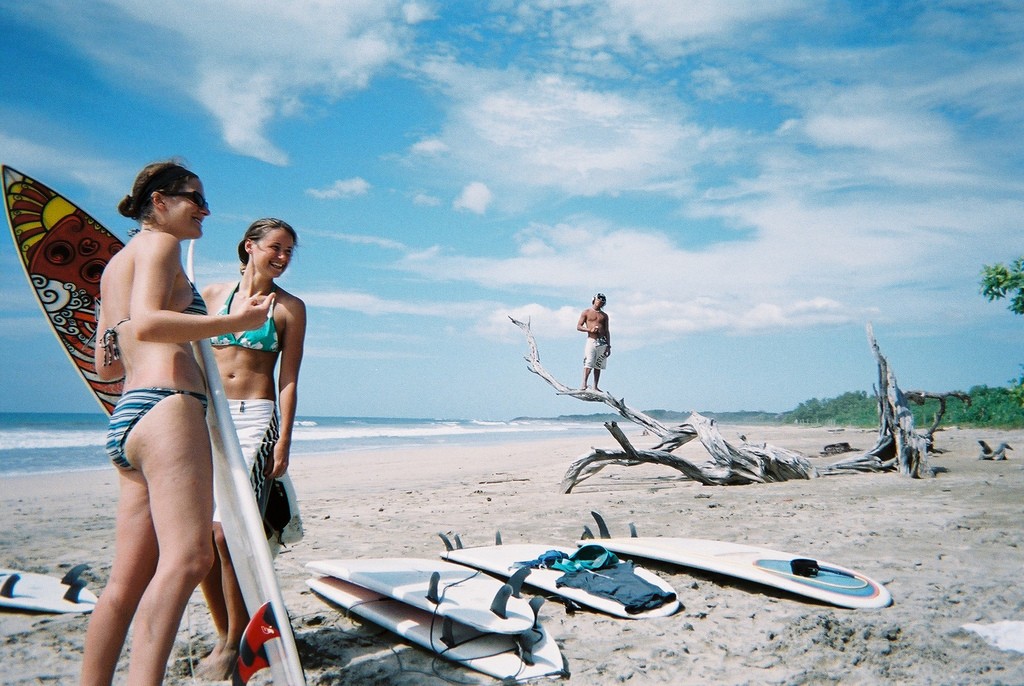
{"points": [[230, 615], [597, 379], [170, 445], [213, 591], [134, 564], [586, 378]]}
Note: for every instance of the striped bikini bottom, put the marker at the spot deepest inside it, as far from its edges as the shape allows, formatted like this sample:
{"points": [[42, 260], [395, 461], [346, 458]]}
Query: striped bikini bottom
{"points": [[133, 406]]}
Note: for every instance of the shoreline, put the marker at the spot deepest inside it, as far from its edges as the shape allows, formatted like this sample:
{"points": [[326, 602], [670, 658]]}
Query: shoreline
{"points": [[947, 548], [50, 449]]}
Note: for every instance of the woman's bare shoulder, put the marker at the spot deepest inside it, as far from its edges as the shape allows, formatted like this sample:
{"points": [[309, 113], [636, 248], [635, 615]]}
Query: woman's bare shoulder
{"points": [[289, 300], [216, 294], [213, 290]]}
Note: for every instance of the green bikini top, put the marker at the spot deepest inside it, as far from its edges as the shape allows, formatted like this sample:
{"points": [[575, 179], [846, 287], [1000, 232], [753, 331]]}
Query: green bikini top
{"points": [[263, 338]]}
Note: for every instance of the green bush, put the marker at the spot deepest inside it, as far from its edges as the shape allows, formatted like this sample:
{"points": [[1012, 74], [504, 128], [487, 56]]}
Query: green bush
{"points": [[990, 407]]}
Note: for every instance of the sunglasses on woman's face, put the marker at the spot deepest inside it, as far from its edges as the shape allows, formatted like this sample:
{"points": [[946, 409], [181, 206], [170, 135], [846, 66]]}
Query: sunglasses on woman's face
{"points": [[195, 196]]}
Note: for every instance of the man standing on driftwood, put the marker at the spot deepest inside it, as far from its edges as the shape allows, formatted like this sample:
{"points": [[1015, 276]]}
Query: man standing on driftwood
{"points": [[594, 322]]}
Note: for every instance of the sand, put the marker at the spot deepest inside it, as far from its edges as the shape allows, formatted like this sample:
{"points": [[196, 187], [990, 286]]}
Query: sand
{"points": [[950, 549]]}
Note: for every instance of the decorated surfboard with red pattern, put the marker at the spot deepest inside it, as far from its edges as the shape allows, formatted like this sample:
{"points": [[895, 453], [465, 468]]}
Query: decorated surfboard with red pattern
{"points": [[63, 251]]}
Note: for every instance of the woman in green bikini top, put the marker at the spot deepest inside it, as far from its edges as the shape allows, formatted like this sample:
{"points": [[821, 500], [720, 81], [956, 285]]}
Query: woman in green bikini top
{"points": [[248, 359], [263, 410], [263, 338]]}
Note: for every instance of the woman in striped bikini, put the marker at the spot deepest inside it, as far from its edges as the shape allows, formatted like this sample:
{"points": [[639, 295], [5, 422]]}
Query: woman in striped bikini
{"points": [[158, 438]]}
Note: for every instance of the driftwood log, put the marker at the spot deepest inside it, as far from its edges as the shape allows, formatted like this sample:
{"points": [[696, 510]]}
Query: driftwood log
{"points": [[729, 464], [899, 446], [919, 398], [987, 453]]}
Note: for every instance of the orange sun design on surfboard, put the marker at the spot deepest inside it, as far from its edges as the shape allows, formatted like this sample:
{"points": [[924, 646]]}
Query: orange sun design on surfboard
{"points": [[63, 251]]}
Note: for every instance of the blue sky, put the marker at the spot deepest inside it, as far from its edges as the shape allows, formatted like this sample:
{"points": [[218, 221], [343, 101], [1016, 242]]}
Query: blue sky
{"points": [[750, 183]]}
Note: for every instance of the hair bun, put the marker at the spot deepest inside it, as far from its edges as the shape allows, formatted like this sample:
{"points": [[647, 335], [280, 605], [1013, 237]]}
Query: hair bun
{"points": [[127, 208]]}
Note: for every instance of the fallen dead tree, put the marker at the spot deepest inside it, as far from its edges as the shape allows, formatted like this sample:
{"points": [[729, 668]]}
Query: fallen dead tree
{"points": [[899, 446], [920, 397], [729, 464]]}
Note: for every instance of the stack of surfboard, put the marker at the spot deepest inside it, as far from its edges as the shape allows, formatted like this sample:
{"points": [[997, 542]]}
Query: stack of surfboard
{"points": [[458, 613]]}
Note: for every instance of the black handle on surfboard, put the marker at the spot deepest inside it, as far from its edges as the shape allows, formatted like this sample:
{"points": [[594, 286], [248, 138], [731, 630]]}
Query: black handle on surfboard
{"points": [[804, 567]]}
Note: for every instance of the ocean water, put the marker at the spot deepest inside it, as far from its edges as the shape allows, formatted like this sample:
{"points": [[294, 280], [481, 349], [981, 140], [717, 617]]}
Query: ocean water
{"points": [[38, 443]]}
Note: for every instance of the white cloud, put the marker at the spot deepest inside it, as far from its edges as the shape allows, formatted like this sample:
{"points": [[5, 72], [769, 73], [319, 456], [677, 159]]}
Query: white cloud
{"points": [[342, 188], [558, 322], [357, 239], [370, 304], [546, 131], [247, 64], [426, 200], [429, 146], [417, 12], [674, 27], [49, 164], [475, 197]]}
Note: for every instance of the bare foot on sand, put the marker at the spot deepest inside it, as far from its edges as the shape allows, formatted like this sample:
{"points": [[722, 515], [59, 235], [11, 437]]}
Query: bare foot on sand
{"points": [[218, 665]]}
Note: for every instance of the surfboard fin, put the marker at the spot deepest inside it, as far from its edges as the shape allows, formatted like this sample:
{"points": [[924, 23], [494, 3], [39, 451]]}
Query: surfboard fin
{"points": [[252, 653], [71, 578], [7, 590], [516, 580], [432, 594], [499, 606], [632, 530], [74, 583], [447, 542], [497, 538], [535, 603], [448, 632], [526, 641], [602, 528], [587, 533], [74, 592]]}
